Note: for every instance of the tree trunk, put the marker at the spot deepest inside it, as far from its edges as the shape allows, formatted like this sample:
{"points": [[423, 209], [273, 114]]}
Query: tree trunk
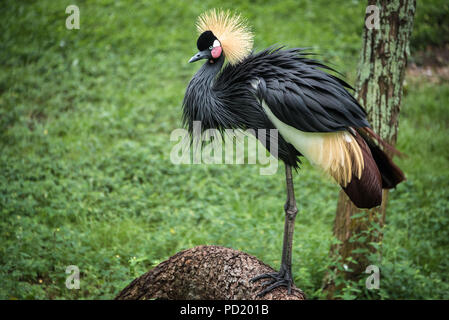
{"points": [[206, 273], [379, 89]]}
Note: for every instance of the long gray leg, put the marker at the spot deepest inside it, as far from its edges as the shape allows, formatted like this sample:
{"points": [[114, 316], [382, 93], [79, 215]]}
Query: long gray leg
{"points": [[284, 276], [290, 214]]}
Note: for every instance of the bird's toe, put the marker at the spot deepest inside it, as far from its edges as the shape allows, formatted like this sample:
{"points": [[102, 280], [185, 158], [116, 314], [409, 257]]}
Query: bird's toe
{"points": [[277, 279]]}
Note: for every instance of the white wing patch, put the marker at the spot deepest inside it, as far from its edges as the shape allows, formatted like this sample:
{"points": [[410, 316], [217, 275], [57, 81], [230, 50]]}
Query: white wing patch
{"points": [[337, 153]]}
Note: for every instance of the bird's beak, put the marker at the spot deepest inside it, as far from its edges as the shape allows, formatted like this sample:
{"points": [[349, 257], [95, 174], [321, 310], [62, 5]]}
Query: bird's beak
{"points": [[205, 54]]}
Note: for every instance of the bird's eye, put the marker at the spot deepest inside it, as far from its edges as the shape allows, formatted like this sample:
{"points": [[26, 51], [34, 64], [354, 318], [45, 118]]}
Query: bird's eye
{"points": [[211, 47]]}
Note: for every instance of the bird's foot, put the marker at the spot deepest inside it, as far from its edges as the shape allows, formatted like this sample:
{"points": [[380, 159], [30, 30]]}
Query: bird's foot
{"points": [[276, 279]]}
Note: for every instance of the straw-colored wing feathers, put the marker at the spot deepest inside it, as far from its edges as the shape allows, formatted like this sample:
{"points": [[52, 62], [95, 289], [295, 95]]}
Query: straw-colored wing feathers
{"points": [[340, 156], [231, 30]]}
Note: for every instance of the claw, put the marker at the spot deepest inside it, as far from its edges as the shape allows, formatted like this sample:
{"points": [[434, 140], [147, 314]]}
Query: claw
{"points": [[278, 279], [278, 283], [265, 275], [266, 283]]}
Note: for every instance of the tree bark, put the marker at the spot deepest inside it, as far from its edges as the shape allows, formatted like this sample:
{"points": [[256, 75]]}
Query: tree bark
{"points": [[206, 273], [379, 89]]}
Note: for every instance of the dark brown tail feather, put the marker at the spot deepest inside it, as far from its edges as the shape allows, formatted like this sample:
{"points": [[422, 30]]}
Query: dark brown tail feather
{"points": [[366, 192], [379, 171], [390, 172]]}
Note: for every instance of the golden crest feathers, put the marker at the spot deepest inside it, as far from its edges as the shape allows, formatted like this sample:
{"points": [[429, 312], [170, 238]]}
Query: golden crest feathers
{"points": [[231, 30]]}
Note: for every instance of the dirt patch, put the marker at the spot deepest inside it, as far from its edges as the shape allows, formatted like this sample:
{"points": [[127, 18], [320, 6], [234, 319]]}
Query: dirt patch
{"points": [[430, 65]]}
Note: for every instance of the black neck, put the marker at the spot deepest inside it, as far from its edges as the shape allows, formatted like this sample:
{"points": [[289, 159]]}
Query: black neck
{"points": [[209, 70], [201, 102]]}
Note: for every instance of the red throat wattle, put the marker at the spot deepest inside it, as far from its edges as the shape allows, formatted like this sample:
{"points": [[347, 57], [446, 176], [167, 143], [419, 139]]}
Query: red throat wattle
{"points": [[216, 52]]}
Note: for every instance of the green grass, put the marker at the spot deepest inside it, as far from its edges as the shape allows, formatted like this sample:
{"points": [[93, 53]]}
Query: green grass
{"points": [[86, 179]]}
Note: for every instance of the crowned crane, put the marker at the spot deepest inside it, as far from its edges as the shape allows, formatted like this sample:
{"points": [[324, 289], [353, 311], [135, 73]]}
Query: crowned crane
{"points": [[284, 89]]}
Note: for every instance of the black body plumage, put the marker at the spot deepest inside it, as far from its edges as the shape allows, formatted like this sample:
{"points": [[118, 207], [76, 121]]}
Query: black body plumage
{"points": [[296, 88]]}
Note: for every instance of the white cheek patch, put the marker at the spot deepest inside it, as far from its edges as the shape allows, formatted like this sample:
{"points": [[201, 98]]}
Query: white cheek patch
{"points": [[216, 43]]}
